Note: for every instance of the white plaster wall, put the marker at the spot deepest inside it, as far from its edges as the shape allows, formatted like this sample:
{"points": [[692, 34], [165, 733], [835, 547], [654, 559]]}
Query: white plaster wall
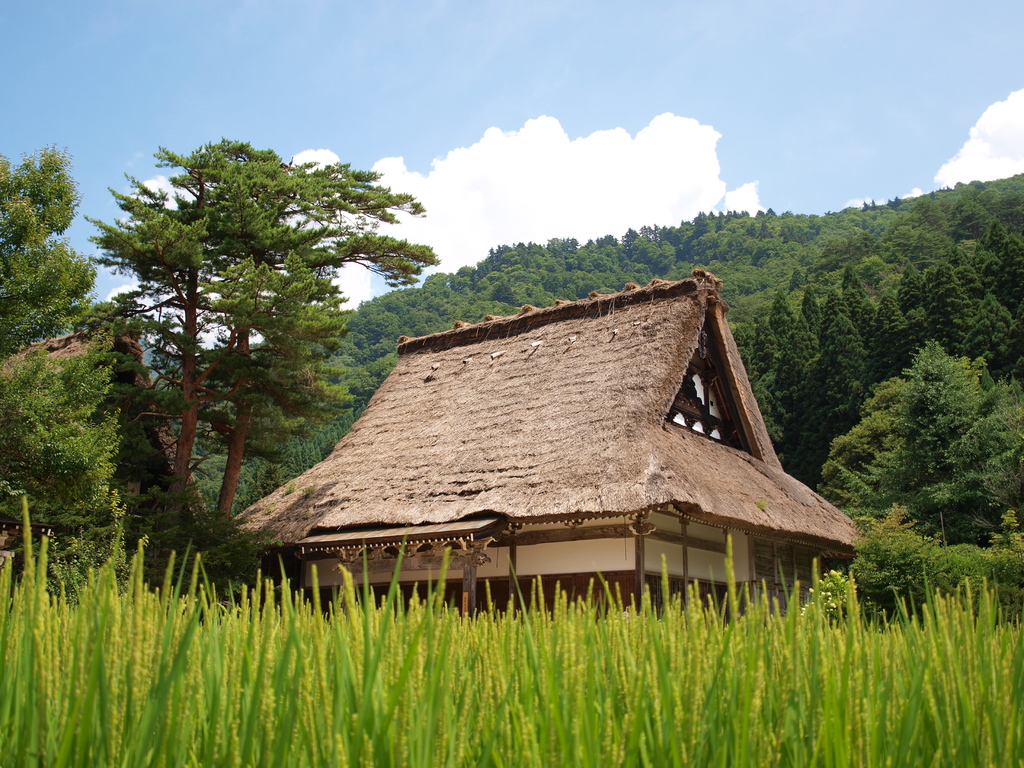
{"points": [[599, 555], [706, 565], [740, 555], [665, 522], [702, 531], [653, 551]]}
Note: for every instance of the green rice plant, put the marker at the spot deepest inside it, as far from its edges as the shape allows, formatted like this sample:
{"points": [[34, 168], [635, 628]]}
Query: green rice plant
{"points": [[177, 677]]}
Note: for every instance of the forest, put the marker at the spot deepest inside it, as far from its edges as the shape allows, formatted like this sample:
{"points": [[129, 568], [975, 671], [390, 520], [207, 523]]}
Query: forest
{"points": [[885, 344]]}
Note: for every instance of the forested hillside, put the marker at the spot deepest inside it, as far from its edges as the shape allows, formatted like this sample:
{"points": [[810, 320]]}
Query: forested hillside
{"points": [[824, 307]]}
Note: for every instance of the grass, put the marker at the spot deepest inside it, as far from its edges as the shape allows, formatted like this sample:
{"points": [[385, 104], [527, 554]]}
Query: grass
{"points": [[173, 677]]}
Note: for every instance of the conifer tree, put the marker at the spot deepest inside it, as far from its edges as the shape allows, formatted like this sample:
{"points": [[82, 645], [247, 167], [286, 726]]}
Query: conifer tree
{"points": [[1007, 251], [889, 346], [235, 293], [912, 291], [990, 334], [811, 310], [948, 308], [858, 306], [835, 392]]}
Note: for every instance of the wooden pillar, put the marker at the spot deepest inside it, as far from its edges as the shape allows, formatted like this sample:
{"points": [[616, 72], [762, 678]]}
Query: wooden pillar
{"points": [[752, 564], [686, 563], [469, 587], [638, 587], [639, 561], [513, 572]]}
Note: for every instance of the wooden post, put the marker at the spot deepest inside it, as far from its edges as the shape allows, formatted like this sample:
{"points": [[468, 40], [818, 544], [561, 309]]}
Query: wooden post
{"points": [[469, 587], [752, 564], [686, 563], [638, 588], [513, 572]]}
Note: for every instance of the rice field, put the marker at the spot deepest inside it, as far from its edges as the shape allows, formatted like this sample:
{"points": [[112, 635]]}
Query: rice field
{"points": [[174, 677]]}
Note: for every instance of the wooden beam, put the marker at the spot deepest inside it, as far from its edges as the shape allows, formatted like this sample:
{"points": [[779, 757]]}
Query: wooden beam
{"points": [[425, 563], [527, 538], [590, 533], [691, 542]]}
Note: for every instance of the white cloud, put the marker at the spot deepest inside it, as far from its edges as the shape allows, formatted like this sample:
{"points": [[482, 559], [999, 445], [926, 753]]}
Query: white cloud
{"points": [[318, 156], [915, 192], [744, 198], [355, 282], [122, 289], [995, 148], [163, 184], [536, 183]]}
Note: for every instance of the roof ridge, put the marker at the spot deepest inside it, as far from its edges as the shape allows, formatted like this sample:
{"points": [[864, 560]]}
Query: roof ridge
{"points": [[530, 316]]}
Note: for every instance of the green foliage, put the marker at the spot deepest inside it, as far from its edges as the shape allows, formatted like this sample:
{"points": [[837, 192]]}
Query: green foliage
{"points": [[57, 448], [931, 442], [832, 595], [810, 376], [1006, 561], [53, 446], [44, 284], [899, 568]]}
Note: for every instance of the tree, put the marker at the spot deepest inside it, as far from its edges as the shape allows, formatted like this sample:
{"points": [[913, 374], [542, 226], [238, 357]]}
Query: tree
{"points": [[835, 392], [53, 445], [235, 296], [937, 443], [44, 284]]}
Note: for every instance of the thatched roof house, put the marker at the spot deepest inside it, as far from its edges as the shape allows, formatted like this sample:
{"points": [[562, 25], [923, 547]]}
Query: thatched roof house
{"points": [[631, 408]]}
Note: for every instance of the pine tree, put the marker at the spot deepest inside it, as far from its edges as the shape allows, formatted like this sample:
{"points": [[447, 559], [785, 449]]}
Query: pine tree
{"points": [[236, 287]]}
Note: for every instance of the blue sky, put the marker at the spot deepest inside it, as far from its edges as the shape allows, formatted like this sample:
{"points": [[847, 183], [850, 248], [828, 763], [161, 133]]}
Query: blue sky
{"points": [[529, 120]]}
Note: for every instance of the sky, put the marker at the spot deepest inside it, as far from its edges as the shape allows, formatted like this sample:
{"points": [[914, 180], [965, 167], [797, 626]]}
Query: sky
{"points": [[525, 121]]}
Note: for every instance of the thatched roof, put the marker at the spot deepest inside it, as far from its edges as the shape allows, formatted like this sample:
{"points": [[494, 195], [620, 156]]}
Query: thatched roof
{"points": [[551, 414]]}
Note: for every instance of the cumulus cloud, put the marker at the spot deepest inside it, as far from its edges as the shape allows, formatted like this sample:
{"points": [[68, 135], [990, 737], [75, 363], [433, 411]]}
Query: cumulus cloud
{"points": [[356, 284], [318, 156], [995, 148], [122, 289], [745, 198], [535, 183], [163, 184]]}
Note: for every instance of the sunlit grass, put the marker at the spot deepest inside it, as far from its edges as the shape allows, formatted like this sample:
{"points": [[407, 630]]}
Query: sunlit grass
{"points": [[174, 677]]}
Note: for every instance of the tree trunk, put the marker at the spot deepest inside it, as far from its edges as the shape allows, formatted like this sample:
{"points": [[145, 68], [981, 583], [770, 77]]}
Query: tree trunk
{"points": [[236, 451], [185, 444]]}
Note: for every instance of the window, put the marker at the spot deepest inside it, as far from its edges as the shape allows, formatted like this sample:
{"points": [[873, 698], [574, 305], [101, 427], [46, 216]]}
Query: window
{"points": [[702, 404]]}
